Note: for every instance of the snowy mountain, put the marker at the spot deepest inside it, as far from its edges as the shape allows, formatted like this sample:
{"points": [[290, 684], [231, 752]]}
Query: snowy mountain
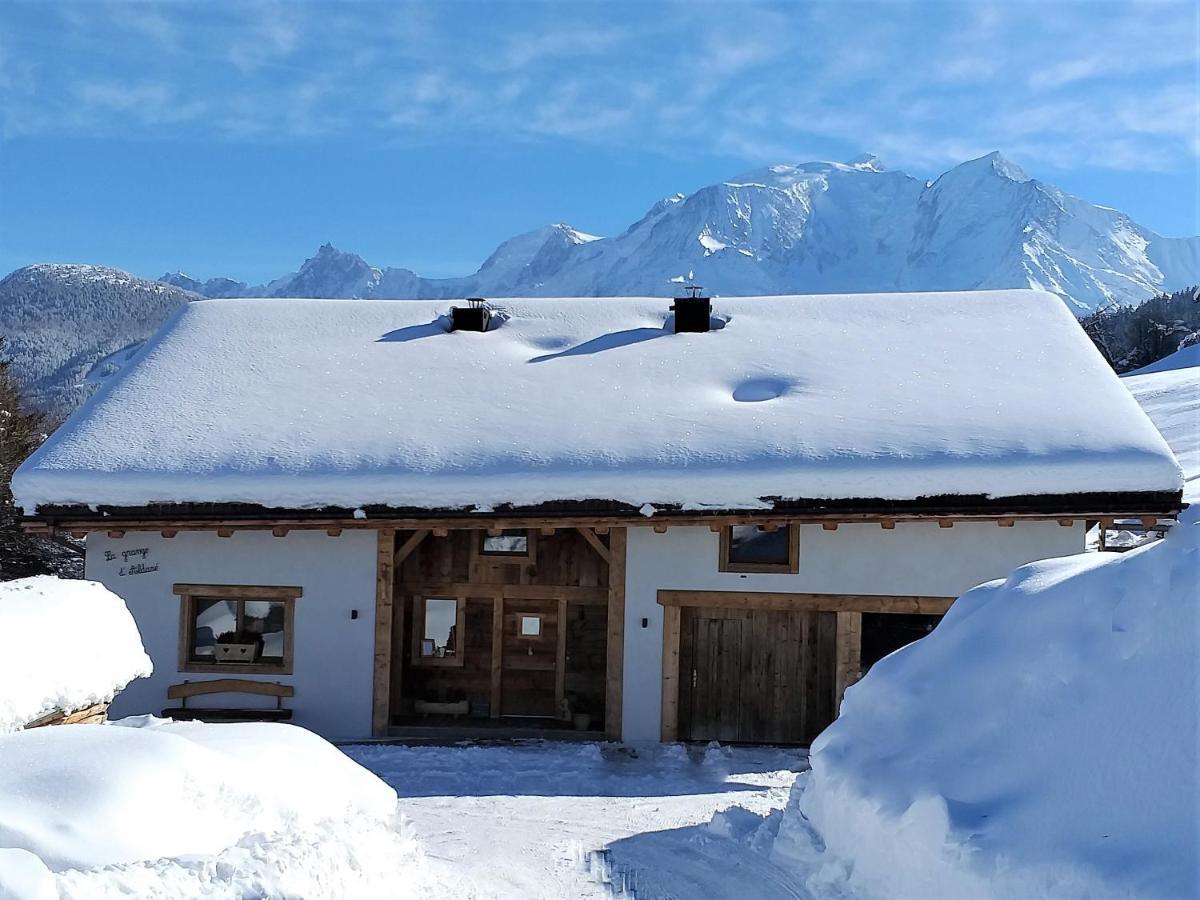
{"points": [[68, 326], [813, 227], [809, 228]]}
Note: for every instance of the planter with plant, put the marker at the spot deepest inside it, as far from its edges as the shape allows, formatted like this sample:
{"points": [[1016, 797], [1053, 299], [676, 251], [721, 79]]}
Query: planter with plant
{"points": [[238, 647]]}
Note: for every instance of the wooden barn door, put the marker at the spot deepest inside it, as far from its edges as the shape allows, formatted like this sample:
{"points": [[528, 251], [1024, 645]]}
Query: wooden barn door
{"points": [[756, 675]]}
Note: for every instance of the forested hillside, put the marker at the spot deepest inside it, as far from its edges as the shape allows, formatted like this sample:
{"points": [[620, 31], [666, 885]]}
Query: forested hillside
{"points": [[1134, 336]]}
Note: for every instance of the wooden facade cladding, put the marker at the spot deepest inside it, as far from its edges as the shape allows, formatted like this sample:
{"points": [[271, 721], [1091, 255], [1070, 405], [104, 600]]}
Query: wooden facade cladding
{"points": [[565, 584], [834, 630]]}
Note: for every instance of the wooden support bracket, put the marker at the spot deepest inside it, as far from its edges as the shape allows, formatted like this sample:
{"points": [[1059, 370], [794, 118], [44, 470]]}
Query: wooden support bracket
{"points": [[406, 549], [279, 532], [595, 543], [887, 524]]}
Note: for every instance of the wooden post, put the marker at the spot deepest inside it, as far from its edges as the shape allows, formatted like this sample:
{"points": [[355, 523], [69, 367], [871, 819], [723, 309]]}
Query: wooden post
{"points": [[615, 667], [670, 673], [849, 655], [497, 651], [384, 577], [560, 658]]}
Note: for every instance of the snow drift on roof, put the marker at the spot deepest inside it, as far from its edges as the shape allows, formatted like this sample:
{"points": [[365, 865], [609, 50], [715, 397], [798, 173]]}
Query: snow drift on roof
{"points": [[309, 403]]}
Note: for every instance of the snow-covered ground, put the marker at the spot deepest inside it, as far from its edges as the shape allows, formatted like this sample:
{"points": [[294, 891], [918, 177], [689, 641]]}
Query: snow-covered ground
{"points": [[155, 809], [64, 645], [587, 820]]}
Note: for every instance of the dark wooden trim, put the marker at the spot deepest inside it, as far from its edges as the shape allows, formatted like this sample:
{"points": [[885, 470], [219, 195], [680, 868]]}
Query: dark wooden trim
{"points": [[589, 513], [475, 589], [460, 631], [239, 591], [190, 593], [528, 558], [791, 567]]}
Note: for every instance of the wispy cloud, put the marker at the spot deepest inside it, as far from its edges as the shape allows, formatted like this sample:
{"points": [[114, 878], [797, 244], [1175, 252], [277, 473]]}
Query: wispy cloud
{"points": [[1102, 83]]}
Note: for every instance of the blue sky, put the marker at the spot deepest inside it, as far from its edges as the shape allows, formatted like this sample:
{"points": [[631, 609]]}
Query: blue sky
{"points": [[233, 139]]}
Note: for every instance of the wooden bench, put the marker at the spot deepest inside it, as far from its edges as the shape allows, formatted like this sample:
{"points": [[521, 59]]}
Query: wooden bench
{"points": [[182, 692]]}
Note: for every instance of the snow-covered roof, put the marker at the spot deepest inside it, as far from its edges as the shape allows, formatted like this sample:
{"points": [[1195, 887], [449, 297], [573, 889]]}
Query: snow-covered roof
{"points": [[311, 403], [1169, 392]]}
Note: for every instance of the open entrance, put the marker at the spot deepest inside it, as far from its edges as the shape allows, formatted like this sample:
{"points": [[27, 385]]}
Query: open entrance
{"points": [[502, 633]]}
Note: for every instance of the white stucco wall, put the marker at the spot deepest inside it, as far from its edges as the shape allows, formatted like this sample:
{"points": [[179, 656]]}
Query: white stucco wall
{"points": [[918, 559], [332, 671]]}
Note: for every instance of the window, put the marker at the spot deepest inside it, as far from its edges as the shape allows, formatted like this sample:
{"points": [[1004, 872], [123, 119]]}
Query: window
{"points": [[760, 548], [233, 628], [531, 626], [438, 631], [509, 545]]}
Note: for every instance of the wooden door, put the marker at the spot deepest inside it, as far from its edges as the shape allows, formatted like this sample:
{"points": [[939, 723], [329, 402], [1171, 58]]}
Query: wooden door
{"points": [[758, 676], [530, 661]]}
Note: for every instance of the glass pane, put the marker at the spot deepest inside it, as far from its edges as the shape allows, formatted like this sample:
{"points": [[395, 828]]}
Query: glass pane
{"points": [[213, 618], [531, 626], [515, 541], [751, 544], [265, 617], [441, 622]]}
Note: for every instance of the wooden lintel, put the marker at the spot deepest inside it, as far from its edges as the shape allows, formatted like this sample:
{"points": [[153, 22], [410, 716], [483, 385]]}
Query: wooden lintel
{"points": [[799, 602], [595, 543], [829, 526], [280, 531], [1006, 523], [116, 534], [410, 544], [887, 524], [238, 591]]}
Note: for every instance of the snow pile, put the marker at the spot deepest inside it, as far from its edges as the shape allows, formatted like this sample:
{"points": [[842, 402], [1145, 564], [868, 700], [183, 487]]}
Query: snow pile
{"points": [[64, 645], [311, 403], [1040, 742], [1169, 392], [163, 809]]}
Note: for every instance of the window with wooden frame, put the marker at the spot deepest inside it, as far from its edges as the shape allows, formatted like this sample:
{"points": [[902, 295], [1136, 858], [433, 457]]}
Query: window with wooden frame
{"points": [[237, 628], [438, 631], [509, 545], [760, 548]]}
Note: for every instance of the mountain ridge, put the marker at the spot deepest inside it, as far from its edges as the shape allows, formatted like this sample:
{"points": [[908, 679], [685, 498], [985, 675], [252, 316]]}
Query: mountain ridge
{"points": [[807, 228]]}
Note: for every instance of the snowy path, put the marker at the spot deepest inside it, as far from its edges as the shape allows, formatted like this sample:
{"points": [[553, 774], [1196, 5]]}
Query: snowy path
{"points": [[579, 820]]}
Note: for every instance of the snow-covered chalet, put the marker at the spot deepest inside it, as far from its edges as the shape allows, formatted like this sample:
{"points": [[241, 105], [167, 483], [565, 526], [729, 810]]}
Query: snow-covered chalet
{"points": [[639, 518]]}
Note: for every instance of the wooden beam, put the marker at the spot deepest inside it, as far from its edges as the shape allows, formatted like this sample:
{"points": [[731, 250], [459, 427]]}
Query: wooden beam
{"points": [[1066, 523], [238, 591], [601, 529], [770, 526], [849, 655], [440, 532], [546, 531], [116, 534], [409, 545], [829, 526], [887, 524], [169, 533], [945, 523], [670, 674], [280, 531], [716, 527], [475, 589], [224, 532], [495, 532], [333, 532], [497, 653], [661, 527], [614, 670], [1149, 521], [1006, 523], [595, 543], [560, 659], [381, 706], [798, 602]]}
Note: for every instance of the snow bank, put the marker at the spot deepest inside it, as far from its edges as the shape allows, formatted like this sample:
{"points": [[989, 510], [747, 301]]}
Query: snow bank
{"points": [[1040, 742], [309, 403], [64, 645], [1169, 392], [181, 809]]}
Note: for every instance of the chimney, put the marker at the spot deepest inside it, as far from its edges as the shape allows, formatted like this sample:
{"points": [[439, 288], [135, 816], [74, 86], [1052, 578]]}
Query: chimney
{"points": [[692, 313], [476, 316]]}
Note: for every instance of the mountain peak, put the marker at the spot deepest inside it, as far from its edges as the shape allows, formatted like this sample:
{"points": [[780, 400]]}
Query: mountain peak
{"points": [[998, 164], [868, 162]]}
